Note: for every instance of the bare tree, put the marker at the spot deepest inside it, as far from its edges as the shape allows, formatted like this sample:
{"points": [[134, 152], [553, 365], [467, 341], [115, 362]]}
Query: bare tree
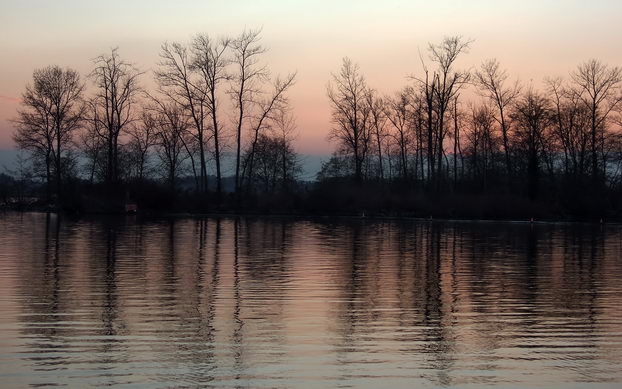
{"points": [[276, 163], [398, 113], [491, 80], [268, 111], [180, 83], [350, 114], [93, 145], [117, 91], [171, 124], [52, 109], [533, 116], [598, 87], [448, 83], [428, 92], [418, 122], [285, 131], [481, 143], [142, 136], [249, 74], [457, 116], [572, 127], [378, 120], [210, 60]]}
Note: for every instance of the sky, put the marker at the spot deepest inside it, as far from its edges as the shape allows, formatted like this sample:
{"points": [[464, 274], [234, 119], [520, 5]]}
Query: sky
{"points": [[531, 38]]}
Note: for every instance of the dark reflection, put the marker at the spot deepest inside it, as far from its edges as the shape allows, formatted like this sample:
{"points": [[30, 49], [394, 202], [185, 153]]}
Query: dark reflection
{"points": [[271, 303], [237, 338], [261, 256], [437, 331], [110, 309], [46, 271]]}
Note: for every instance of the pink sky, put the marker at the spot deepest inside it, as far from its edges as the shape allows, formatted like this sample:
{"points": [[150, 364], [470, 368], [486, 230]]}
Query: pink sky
{"points": [[532, 39]]}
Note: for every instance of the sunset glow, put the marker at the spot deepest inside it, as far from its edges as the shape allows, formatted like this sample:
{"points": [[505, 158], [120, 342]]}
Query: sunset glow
{"points": [[531, 39]]}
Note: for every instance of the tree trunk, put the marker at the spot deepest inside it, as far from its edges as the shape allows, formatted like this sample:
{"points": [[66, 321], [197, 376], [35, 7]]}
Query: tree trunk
{"points": [[58, 167], [216, 148]]}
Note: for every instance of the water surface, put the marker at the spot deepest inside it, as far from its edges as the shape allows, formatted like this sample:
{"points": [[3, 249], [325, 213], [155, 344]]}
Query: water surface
{"points": [[281, 303]]}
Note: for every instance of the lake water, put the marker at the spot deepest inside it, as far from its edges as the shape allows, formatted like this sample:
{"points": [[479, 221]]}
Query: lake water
{"points": [[282, 303]]}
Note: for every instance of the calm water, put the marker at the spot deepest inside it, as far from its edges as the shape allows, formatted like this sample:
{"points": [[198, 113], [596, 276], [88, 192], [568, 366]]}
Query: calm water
{"points": [[293, 304]]}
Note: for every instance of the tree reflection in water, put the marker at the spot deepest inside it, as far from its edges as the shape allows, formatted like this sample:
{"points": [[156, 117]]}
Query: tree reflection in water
{"points": [[234, 302]]}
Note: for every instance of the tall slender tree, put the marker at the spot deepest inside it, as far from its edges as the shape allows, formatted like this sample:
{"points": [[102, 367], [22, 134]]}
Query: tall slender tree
{"points": [[492, 82], [448, 82], [210, 60], [246, 80], [347, 94], [178, 80], [117, 90], [400, 117], [378, 120]]}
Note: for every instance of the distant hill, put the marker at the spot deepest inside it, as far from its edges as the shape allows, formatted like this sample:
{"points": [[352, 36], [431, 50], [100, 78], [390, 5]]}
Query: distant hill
{"points": [[311, 163], [8, 160]]}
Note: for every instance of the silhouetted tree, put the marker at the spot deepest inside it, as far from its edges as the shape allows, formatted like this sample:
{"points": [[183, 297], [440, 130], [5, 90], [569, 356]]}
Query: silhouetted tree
{"points": [[418, 122], [51, 110], [400, 117], [533, 117], [598, 87], [448, 83], [276, 164], [428, 93], [142, 138], [93, 146], [117, 91], [481, 143], [246, 79], [336, 167], [179, 81], [492, 82], [210, 60], [267, 110], [378, 119], [284, 131], [171, 124], [457, 153], [572, 128], [351, 114]]}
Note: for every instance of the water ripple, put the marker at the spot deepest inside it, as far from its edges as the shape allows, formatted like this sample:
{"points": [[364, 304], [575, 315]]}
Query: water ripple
{"points": [[286, 303]]}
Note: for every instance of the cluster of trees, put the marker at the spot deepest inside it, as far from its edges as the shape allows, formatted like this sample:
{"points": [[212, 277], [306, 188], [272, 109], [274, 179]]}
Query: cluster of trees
{"points": [[556, 143], [117, 132], [215, 101]]}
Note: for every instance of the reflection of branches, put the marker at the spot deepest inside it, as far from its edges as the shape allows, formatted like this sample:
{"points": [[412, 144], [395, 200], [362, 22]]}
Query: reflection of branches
{"points": [[237, 338]]}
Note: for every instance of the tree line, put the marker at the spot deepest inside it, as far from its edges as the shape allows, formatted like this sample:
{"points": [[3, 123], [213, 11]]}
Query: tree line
{"points": [[561, 144], [120, 133], [558, 146]]}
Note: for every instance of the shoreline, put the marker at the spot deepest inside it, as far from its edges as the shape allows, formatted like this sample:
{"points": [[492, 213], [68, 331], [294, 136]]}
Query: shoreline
{"points": [[146, 215]]}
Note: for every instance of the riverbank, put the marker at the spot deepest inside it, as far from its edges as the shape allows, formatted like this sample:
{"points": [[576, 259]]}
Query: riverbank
{"points": [[332, 199]]}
